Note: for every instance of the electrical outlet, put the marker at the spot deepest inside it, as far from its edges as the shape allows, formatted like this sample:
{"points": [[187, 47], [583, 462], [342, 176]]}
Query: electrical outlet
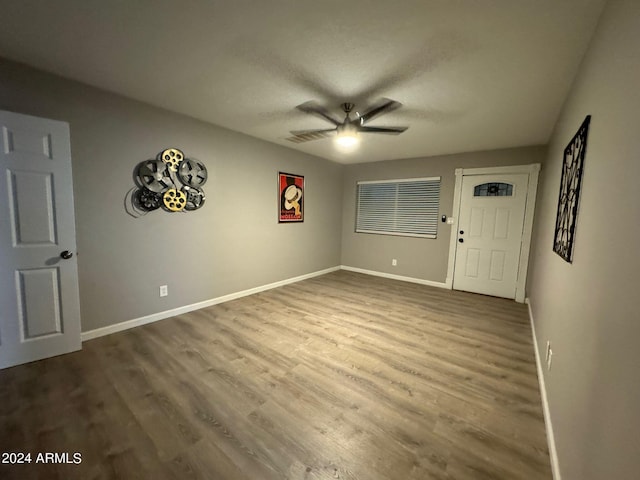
{"points": [[164, 290], [394, 262]]}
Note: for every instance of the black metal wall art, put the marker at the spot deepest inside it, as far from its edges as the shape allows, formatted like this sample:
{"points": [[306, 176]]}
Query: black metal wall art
{"points": [[572, 166], [169, 182]]}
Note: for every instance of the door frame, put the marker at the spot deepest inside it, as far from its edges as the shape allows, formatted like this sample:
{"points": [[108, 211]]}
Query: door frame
{"points": [[533, 170]]}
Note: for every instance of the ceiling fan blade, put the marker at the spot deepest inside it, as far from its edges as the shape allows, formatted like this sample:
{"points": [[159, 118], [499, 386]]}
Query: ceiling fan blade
{"points": [[301, 136], [318, 110], [387, 130], [384, 106]]}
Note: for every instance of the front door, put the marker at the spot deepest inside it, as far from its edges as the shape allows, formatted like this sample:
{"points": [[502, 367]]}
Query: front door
{"points": [[490, 229], [39, 302]]}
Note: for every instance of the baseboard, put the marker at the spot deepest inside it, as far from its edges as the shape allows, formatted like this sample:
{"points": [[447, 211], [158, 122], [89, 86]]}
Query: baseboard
{"points": [[136, 322], [396, 277], [551, 442]]}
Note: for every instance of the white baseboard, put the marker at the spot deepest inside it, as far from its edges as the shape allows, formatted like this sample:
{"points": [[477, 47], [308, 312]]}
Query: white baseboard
{"points": [[551, 442], [136, 322], [396, 277]]}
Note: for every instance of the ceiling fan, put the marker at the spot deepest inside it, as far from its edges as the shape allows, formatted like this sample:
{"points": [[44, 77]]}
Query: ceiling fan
{"points": [[348, 129]]}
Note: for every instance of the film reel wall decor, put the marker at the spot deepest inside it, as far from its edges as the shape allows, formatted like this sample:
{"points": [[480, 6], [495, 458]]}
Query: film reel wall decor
{"points": [[169, 182]]}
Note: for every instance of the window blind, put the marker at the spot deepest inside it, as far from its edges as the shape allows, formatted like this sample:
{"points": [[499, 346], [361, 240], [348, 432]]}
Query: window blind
{"points": [[406, 207]]}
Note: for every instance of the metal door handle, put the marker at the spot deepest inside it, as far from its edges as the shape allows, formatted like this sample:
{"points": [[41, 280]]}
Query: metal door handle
{"points": [[66, 255], [461, 240]]}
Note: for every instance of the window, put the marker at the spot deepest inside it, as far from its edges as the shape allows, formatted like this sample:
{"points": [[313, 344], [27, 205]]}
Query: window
{"points": [[493, 190], [399, 207]]}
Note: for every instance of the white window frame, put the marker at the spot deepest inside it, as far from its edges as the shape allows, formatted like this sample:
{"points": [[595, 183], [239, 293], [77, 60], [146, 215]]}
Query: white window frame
{"points": [[397, 181]]}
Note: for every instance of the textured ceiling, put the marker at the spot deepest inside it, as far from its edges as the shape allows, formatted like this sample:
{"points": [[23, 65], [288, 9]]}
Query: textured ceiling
{"points": [[472, 75]]}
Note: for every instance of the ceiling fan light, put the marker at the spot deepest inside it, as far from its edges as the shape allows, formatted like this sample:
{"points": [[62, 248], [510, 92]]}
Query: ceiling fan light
{"points": [[347, 139]]}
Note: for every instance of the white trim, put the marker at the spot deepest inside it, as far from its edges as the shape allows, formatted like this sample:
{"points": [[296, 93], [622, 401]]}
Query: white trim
{"points": [[500, 170], [402, 278], [533, 171], [551, 442], [527, 230], [399, 180], [136, 322], [457, 191]]}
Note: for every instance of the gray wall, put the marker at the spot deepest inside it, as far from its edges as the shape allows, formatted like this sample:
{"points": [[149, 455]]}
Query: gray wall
{"points": [[233, 243], [421, 258], [588, 308]]}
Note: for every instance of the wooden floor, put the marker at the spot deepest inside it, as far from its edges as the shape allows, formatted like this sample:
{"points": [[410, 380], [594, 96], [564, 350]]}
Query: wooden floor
{"points": [[343, 376]]}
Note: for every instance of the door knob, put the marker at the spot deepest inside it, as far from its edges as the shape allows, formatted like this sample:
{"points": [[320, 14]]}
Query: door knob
{"points": [[461, 232], [461, 240], [66, 255]]}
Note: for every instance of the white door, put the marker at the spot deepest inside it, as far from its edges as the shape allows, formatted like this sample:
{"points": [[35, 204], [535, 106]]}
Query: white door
{"points": [[490, 229], [39, 302]]}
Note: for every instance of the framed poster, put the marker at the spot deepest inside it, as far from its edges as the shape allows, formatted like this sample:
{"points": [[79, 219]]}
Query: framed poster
{"points": [[290, 198]]}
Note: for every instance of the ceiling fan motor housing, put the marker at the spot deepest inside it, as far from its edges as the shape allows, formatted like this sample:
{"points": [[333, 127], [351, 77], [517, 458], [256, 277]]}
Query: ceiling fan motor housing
{"points": [[347, 128]]}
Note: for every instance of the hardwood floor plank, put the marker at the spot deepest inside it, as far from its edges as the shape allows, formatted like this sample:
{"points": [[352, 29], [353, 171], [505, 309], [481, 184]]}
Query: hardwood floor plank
{"points": [[343, 376]]}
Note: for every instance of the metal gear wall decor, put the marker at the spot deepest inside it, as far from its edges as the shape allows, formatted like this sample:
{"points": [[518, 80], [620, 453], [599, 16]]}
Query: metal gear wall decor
{"points": [[572, 166], [170, 182]]}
